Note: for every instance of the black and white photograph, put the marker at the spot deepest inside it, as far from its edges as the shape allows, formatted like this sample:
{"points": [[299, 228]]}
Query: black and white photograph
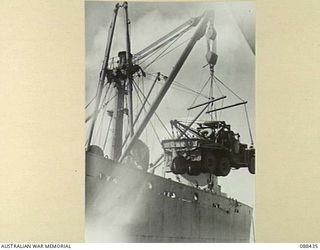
{"points": [[170, 122]]}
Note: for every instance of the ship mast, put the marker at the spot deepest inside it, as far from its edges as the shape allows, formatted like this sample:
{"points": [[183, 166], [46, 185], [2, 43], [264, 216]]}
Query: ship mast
{"points": [[118, 117], [103, 72], [121, 86], [121, 77]]}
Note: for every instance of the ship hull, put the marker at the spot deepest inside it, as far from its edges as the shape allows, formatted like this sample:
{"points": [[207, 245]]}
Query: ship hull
{"points": [[125, 204]]}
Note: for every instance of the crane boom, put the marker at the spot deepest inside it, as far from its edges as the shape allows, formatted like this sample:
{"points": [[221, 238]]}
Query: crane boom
{"points": [[103, 71], [199, 33]]}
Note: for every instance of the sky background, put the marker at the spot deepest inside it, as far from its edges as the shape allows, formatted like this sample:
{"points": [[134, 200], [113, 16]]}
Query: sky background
{"points": [[235, 67]]}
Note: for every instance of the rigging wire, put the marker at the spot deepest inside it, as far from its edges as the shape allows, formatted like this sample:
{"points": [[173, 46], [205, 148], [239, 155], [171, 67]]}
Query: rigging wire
{"points": [[152, 53], [99, 129], [249, 127], [159, 47], [106, 138], [187, 88], [175, 48], [154, 112], [127, 117], [99, 133], [146, 129], [90, 116], [180, 85], [154, 130], [161, 56], [91, 101], [245, 108], [158, 164], [222, 102], [177, 87], [157, 58], [211, 95], [253, 229], [228, 88], [204, 85]]}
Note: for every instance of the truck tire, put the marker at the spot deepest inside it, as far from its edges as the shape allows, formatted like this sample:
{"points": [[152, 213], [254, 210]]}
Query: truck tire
{"points": [[252, 165], [223, 167], [209, 161], [194, 170], [179, 165]]}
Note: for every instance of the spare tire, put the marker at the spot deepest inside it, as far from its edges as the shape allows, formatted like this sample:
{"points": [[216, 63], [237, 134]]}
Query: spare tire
{"points": [[179, 165], [223, 167]]}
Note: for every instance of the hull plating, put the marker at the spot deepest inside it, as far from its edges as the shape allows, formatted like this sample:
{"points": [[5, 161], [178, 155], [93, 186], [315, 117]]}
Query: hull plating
{"points": [[124, 204]]}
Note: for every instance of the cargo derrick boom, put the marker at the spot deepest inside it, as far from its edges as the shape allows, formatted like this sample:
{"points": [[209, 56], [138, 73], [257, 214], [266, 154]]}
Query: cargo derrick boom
{"points": [[121, 78], [216, 157]]}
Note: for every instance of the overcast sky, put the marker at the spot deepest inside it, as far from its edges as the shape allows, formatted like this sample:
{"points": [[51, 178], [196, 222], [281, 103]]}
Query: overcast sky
{"points": [[234, 24]]}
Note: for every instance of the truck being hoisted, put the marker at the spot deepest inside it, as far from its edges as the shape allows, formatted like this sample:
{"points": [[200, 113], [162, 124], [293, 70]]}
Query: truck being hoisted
{"points": [[211, 148]]}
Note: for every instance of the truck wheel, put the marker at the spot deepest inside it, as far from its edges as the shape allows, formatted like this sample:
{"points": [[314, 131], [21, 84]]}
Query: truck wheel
{"points": [[179, 165], [209, 162], [252, 165], [194, 170], [224, 167]]}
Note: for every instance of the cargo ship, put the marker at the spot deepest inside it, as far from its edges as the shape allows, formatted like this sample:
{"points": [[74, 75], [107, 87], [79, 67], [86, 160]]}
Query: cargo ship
{"points": [[127, 198]]}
